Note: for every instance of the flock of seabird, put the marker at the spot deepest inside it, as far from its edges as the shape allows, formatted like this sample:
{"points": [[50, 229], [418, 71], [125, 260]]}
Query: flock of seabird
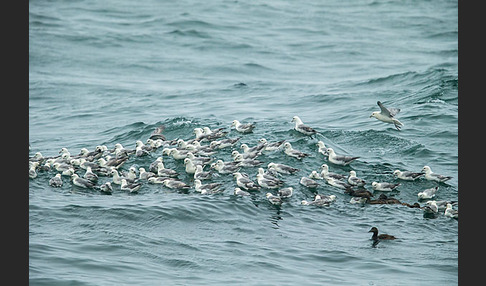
{"points": [[199, 155]]}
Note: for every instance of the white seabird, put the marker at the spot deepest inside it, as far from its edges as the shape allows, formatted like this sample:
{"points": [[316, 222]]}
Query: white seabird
{"points": [[325, 173], [243, 128], [240, 192], [285, 192], [224, 143], [315, 175], [431, 207], [308, 182], [176, 184], [247, 162], [274, 200], [282, 168], [431, 176], [407, 175], [130, 187], [450, 212], [301, 127], [190, 167], [154, 165], [245, 182], [56, 181], [321, 148], [271, 146], [340, 159], [384, 186], [165, 172], [90, 175], [225, 167], [265, 182], [354, 180], [293, 152], [337, 183], [106, 188], [211, 188], [144, 175], [387, 115], [81, 182], [427, 193], [200, 174]]}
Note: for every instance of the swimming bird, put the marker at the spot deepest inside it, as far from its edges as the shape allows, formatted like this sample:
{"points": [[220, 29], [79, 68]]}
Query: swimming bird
{"points": [[243, 128], [200, 174], [308, 182], [158, 180], [32, 170], [214, 134], [153, 167], [224, 143], [269, 176], [337, 183], [211, 188], [81, 182], [130, 187], [56, 181], [320, 200], [407, 175], [247, 162], [106, 188], [387, 115], [285, 192], [301, 127], [359, 193], [450, 212], [176, 184], [157, 133], [117, 179], [178, 154], [384, 186], [293, 152], [240, 192], [358, 200], [144, 175], [165, 172], [315, 175], [375, 236], [225, 167], [340, 159], [321, 148], [190, 167], [431, 176], [325, 173], [90, 175], [355, 181], [266, 182], [270, 146], [282, 168], [253, 150], [431, 208], [384, 199], [245, 182], [428, 193], [274, 200], [251, 155]]}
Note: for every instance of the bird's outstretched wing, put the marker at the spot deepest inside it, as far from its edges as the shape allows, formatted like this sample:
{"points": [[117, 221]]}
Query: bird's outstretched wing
{"points": [[390, 112]]}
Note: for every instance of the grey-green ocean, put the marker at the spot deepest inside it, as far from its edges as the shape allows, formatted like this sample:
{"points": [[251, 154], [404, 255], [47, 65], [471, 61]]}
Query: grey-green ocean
{"points": [[108, 72]]}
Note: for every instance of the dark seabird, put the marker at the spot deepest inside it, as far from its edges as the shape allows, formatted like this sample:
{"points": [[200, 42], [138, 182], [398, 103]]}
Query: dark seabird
{"points": [[387, 115], [157, 133], [375, 236]]}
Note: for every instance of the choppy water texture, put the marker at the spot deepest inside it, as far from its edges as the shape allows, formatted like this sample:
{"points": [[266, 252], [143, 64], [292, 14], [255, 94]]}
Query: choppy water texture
{"points": [[106, 72]]}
